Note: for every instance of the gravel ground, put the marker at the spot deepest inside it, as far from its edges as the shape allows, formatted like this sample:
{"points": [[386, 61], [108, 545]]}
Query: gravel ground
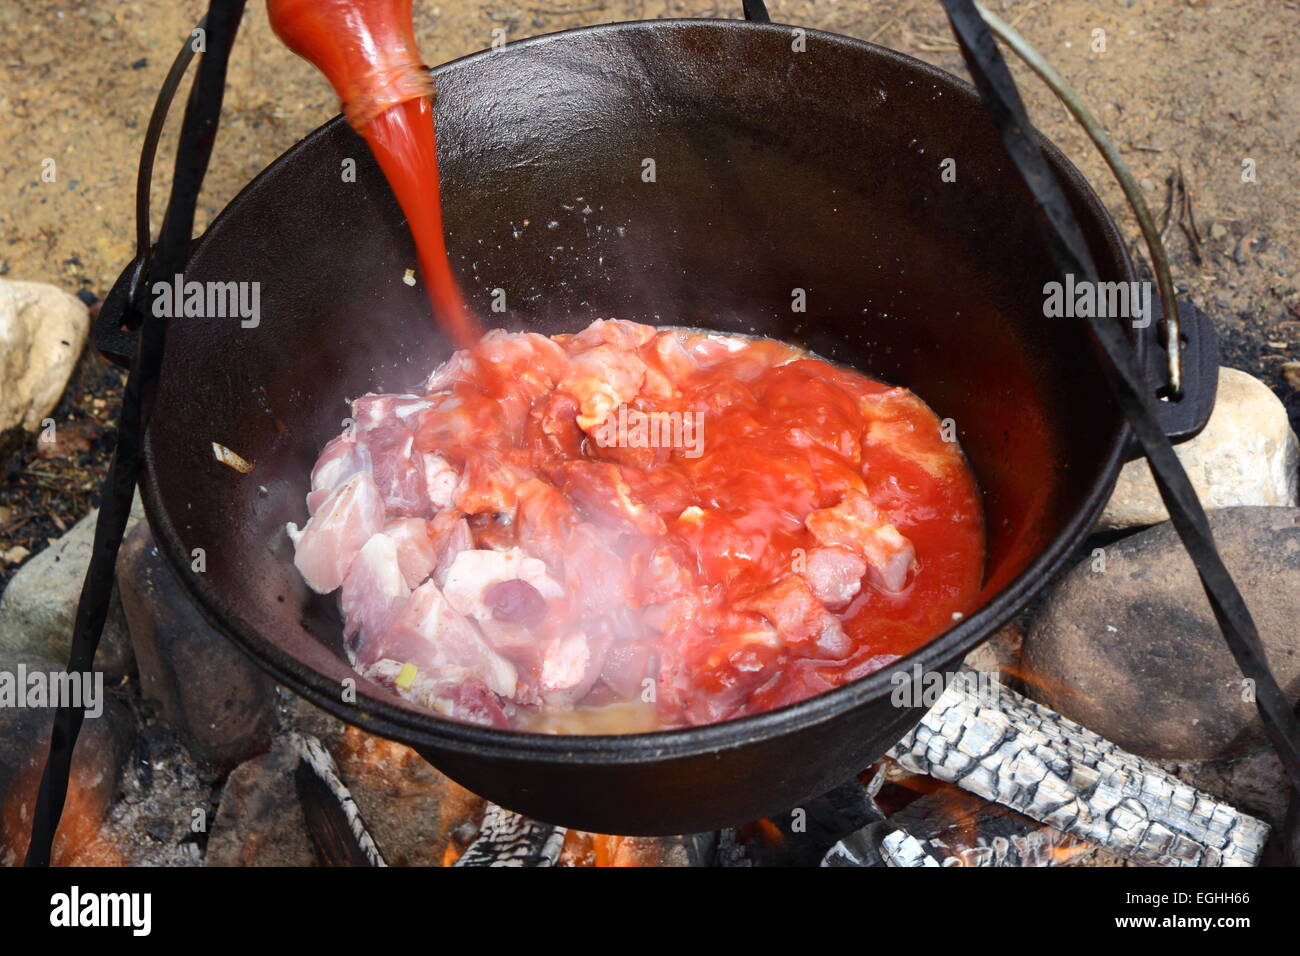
{"points": [[1190, 87]]}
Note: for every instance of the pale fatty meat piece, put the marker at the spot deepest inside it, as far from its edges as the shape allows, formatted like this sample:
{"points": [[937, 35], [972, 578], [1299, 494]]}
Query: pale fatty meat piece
{"points": [[416, 555], [473, 572], [464, 698], [450, 534], [398, 469], [617, 332], [340, 459], [440, 481], [601, 379], [341, 526], [791, 607], [373, 589], [430, 635], [570, 667], [834, 574]]}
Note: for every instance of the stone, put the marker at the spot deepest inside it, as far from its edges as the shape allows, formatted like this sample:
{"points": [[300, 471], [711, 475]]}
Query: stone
{"points": [[259, 820], [1131, 650], [218, 701], [1247, 455], [413, 813], [1000, 655], [39, 606], [102, 749], [42, 332], [411, 810], [300, 714]]}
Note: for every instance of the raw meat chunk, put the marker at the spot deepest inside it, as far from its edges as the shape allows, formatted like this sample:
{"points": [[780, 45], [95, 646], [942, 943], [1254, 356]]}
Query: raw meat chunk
{"points": [[472, 573], [415, 551], [337, 531], [373, 589], [835, 575], [858, 525], [441, 644]]}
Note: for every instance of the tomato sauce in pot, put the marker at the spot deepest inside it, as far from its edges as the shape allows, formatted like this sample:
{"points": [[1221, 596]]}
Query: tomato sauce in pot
{"points": [[633, 528]]}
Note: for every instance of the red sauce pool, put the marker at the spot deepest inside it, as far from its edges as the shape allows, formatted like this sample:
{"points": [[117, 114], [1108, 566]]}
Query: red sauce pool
{"points": [[689, 538]]}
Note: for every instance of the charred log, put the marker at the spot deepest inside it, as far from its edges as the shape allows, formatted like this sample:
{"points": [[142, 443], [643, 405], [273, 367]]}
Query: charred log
{"points": [[1006, 748], [880, 844], [950, 827], [507, 839], [802, 836], [334, 822]]}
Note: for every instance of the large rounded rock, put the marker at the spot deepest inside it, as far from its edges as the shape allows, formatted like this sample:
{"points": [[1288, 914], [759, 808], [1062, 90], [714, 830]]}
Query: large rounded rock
{"points": [[1247, 455], [42, 332], [213, 695], [1126, 643], [39, 606]]}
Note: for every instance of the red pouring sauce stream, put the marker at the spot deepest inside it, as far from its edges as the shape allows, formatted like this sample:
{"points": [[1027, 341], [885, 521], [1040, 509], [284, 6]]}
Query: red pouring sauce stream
{"points": [[367, 50], [402, 139]]}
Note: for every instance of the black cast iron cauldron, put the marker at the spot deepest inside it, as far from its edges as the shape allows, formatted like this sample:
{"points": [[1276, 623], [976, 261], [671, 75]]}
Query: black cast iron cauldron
{"points": [[773, 170]]}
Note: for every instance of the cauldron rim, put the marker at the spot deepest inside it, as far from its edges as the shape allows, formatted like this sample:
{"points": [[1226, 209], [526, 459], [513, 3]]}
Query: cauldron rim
{"points": [[378, 715]]}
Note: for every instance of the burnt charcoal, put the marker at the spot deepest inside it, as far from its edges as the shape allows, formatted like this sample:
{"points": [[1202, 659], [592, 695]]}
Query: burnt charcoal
{"points": [[859, 849], [804, 835], [338, 833], [960, 829]]}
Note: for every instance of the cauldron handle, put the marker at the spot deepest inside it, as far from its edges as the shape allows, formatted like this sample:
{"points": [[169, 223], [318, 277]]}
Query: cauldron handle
{"points": [[1184, 415], [198, 133], [116, 332], [1181, 361], [973, 27]]}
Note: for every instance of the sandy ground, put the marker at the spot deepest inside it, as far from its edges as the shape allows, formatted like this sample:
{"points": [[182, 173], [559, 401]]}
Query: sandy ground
{"points": [[1190, 85]]}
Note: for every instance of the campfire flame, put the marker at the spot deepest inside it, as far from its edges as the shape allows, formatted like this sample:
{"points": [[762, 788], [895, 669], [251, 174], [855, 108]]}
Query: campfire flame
{"points": [[80, 840], [600, 849]]}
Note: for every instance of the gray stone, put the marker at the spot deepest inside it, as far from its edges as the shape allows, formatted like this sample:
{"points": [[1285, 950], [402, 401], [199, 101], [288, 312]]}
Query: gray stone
{"points": [[1133, 652], [218, 701], [102, 749], [42, 332], [39, 606], [1000, 654], [260, 821], [1247, 455], [410, 809]]}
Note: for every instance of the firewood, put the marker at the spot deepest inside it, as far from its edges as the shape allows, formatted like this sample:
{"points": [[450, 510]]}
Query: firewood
{"points": [[1006, 748], [334, 822], [879, 844], [507, 839]]}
